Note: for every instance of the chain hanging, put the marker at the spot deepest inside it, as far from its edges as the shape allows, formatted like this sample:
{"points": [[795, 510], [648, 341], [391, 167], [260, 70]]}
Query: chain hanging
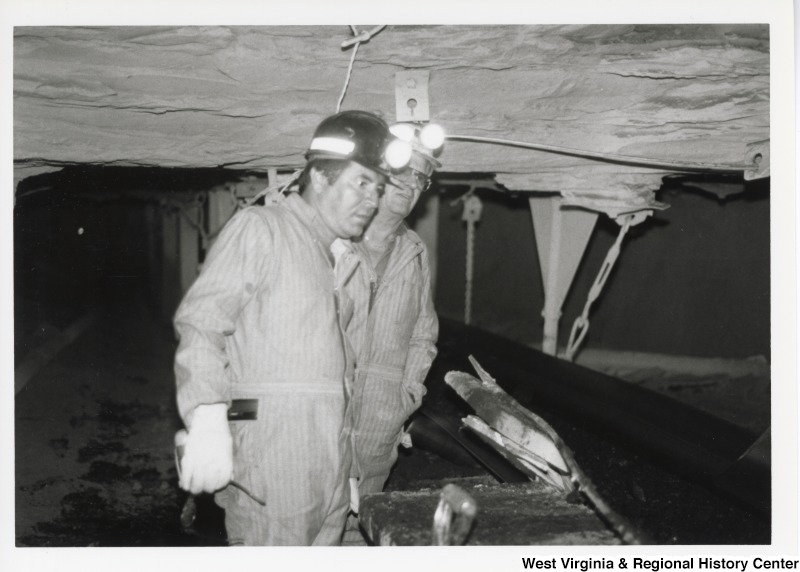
{"points": [[472, 214], [581, 326]]}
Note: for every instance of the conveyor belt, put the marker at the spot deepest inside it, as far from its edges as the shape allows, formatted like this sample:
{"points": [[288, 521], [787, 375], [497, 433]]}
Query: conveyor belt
{"points": [[688, 441]]}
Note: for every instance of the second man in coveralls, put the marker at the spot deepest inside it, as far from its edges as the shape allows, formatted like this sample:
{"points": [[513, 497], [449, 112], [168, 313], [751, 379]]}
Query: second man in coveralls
{"points": [[394, 328]]}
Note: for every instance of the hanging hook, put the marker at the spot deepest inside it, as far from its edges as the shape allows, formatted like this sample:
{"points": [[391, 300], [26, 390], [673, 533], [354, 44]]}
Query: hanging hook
{"points": [[465, 196]]}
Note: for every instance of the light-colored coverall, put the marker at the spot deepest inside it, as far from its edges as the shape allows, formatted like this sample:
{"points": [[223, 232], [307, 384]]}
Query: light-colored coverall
{"points": [[393, 331], [264, 320]]}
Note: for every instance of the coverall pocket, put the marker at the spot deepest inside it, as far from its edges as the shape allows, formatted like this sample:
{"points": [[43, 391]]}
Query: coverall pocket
{"points": [[409, 300], [247, 455], [411, 399], [382, 413]]}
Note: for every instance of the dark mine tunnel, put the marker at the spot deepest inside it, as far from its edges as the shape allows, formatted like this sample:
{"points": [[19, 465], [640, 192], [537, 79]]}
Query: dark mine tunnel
{"points": [[94, 461], [578, 344]]}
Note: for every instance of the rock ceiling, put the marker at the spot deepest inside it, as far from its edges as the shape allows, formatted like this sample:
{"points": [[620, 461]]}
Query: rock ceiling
{"points": [[249, 97]]}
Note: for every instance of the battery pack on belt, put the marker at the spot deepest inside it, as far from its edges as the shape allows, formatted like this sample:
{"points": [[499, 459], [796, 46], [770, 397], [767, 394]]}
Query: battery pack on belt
{"points": [[243, 410]]}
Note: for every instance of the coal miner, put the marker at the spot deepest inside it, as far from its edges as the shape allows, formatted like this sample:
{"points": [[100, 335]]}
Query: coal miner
{"points": [[263, 370], [394, 328]]}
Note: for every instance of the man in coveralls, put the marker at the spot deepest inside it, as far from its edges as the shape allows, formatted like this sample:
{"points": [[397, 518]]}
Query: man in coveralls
{"points": [[394, 328], [263, 370]]}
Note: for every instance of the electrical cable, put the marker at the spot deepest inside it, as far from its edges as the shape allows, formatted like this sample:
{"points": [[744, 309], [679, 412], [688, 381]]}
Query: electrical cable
{"points": [[347, 77], [357, 39], [608, 157]]}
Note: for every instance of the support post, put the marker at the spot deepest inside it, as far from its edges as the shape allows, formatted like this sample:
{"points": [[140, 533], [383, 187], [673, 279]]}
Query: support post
{"points": [[561, 239]]}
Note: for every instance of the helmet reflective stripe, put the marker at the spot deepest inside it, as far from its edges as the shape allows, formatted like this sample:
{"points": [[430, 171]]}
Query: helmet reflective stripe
{"points": [[333, 145]]}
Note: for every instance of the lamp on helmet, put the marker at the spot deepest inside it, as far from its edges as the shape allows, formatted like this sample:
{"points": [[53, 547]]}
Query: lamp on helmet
{"points": [[423, 143], [352, 135]]}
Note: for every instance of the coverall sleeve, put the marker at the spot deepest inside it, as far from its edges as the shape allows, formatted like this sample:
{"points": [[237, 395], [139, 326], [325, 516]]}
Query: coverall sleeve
{"points": [[234, 269], [422, 347]]}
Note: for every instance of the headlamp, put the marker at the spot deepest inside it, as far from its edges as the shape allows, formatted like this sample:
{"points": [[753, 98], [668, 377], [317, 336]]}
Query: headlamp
{"points": [[423, 142], [398, 154], [403, 131], [432, 136]]}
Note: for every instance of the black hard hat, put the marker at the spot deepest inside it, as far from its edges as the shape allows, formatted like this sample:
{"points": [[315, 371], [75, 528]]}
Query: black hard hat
{"points": [[357, 136]]}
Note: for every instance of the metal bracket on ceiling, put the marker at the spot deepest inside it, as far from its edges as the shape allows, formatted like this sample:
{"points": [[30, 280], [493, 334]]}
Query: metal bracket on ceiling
{"points": [[757, 154], [411, 95]]}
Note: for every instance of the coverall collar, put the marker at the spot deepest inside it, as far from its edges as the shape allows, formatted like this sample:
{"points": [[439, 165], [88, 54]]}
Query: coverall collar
{"points": [[309, 217], [407, 246]]}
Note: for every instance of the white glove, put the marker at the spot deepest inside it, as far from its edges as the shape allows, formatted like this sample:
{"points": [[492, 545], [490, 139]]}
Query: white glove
{"points": [[207, 463]]}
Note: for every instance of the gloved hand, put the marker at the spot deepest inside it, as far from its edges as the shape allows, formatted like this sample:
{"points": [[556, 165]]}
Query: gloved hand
{"points": [[207, 463]]}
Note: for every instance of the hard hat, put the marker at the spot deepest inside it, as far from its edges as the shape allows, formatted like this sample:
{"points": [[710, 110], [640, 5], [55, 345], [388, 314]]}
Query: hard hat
{"points": [[423, 162], [357, 136]]}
